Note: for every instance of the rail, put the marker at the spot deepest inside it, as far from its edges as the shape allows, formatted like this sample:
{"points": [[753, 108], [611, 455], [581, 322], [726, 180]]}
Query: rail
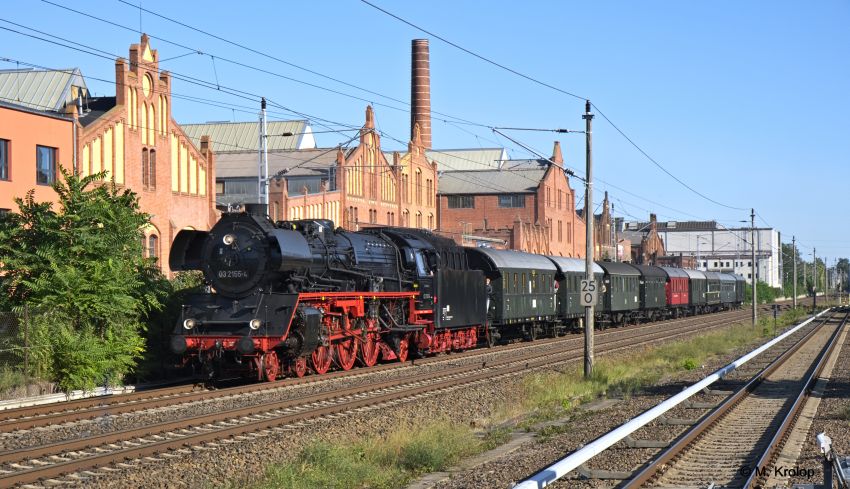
{"points": [[572, 461]]}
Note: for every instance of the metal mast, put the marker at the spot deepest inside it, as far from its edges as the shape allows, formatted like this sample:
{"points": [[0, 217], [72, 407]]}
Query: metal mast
{"points": [[588, 216]]}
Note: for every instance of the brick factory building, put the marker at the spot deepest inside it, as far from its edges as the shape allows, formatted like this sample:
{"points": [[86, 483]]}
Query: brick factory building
{"points": [[131, 137], [354, 187], [525, 205]]}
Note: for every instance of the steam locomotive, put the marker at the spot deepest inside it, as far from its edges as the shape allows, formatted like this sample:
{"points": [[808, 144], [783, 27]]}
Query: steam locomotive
{"points": [[288, 297]]}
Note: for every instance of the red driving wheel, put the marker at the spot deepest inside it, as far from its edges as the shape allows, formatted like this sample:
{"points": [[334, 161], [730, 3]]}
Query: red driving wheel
{"points": [[271, 366], [320, 360], [346, 352]]}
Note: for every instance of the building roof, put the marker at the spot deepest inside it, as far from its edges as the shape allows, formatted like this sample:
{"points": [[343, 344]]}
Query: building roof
{"points": [[244, 164], [466, 159], [229, 137], [95, 107], [490, 181], [47, 90]]}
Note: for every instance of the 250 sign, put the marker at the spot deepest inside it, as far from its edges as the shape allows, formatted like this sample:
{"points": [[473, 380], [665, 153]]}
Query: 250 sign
{"points": [[589, 292]]}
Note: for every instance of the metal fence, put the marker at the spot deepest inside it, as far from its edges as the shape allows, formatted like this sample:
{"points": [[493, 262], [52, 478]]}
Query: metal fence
{"points": [[28, 351], [17, 378]]}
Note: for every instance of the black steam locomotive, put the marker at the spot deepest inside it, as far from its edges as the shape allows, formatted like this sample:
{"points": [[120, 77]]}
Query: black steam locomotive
{"points": [[284, 297]]}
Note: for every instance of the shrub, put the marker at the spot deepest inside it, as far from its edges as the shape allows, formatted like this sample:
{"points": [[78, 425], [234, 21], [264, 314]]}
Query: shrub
{"points": [[78, 270], [689, 364]]}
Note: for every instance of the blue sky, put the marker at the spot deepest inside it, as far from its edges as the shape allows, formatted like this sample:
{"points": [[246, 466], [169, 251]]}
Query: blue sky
{"points": [[747, 102]]}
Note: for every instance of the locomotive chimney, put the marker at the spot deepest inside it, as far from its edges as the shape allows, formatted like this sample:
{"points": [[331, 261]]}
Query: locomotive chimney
{"points": [[420, 92]]}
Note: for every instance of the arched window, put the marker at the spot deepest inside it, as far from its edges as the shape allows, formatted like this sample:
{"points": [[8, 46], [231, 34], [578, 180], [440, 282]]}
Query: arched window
{"points": [[152, 169], [144, 126], [145, 167], [153, 246]]}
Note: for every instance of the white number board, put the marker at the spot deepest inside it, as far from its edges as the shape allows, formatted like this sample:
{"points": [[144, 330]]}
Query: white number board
{"points": [[588, 293]]}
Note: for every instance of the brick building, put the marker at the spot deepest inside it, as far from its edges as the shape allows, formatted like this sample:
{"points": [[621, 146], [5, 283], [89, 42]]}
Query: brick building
{"points": [[647, 245], [354, 187], [604, 235], [131, 137], [524, 205]]}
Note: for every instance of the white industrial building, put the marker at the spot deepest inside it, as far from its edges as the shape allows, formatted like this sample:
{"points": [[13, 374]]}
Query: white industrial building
{"points": [[720, 249]]}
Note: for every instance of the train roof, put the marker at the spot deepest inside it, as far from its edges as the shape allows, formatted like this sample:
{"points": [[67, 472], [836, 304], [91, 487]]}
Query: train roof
{"points": [[695, 274], [712, 275], [565, 264], [411, 236], [727, 277], [675, 272], [619, 268], [651, 271], [515, 259]]}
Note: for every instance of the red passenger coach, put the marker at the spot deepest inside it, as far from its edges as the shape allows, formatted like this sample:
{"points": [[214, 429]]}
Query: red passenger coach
{"points": [[676, 288]]}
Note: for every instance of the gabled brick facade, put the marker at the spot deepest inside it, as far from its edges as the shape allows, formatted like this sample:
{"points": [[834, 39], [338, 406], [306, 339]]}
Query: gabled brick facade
{"points": [[142, 148], [369, 190], [547, 223]]}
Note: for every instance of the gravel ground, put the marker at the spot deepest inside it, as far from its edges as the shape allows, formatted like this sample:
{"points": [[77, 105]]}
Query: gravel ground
{"points": [[242, 462], [833, 418], [110, 423], [514, 467]]}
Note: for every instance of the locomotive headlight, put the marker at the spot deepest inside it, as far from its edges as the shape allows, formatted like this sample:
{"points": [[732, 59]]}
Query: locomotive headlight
{"points": [[189, 323], [255, 324], [229, 239]]}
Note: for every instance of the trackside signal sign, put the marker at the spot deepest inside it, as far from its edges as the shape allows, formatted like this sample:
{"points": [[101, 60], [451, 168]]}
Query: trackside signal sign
{"points": [[588, 293]]}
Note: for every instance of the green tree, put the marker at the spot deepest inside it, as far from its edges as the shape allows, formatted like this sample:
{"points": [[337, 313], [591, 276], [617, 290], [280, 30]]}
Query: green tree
{"points": [[80, 266]]}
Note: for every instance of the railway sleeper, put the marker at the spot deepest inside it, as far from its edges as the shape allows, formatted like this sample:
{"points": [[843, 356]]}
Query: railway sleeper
{"points": [[587, 473]]}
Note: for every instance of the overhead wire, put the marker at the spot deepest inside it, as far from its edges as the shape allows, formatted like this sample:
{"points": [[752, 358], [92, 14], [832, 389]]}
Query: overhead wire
{"points": [[208, 84], [552, 87]]}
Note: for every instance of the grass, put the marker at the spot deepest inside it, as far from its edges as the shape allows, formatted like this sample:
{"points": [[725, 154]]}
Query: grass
{"points": [[380, 462], [394, 459], [11, 378], [550, 395]]}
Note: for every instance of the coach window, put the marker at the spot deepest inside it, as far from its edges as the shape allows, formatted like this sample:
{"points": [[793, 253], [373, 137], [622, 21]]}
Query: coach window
{"points": [[522, 282], [515, 282]]}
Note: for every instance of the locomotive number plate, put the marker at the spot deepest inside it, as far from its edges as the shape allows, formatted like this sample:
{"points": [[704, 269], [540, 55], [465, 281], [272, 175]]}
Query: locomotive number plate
{"points": [[232, 274], [588, 292]]}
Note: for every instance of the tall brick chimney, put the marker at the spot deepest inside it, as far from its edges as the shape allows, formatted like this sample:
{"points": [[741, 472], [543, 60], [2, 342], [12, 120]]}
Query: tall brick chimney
{"points": [[420, 91]]}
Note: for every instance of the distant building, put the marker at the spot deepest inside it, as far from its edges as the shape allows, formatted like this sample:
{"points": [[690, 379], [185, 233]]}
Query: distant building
{"points": [[607, 245], [717, 248], [131, 137], [525, 205]]}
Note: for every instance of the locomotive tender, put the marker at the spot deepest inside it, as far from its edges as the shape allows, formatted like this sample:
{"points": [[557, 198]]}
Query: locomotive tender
{"points": [[286, 297]]}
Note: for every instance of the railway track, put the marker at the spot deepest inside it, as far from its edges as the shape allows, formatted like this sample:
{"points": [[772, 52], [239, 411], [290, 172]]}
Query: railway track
{"points": [[90, 408], [735, 444], [173, 438]]}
